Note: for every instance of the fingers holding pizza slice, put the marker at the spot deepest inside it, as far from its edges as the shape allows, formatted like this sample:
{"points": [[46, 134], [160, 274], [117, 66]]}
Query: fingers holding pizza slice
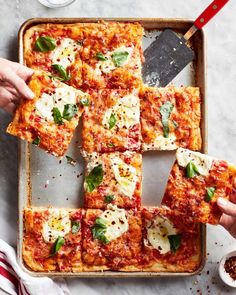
{"points": [[195, 183]]}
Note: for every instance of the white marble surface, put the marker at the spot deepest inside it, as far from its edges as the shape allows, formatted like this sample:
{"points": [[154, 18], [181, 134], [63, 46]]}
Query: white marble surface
{"points": [[221, 55]]}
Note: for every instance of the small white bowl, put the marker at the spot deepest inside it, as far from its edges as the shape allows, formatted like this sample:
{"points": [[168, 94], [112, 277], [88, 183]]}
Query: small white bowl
{"points": [[55, 3], [226, 278]]}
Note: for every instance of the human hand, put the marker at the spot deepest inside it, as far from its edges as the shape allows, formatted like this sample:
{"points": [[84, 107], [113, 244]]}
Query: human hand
{"points": [[13, 87], [228, 219]]}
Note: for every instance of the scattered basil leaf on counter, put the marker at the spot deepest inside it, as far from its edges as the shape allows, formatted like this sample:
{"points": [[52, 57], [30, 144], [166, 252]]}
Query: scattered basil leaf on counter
{"points": [[175, 124], [45, 44], [112, 121], [210, 191], [70, 110], [75, 227], [119, 58], [94, 178], [57, 245], [191, 170], [101, 56], [165, 111], [70, 161], [57, 117], [64, 76], [109, 198], [175, 241], [84, 101], [36, 141], [99, 230]]}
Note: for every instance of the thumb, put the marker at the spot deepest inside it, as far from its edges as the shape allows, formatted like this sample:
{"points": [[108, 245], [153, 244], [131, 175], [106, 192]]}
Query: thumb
{"points": [[227, 207]]}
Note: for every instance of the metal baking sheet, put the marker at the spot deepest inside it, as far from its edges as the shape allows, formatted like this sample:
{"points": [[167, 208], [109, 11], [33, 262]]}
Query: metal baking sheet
{"points": [[46, 181]]}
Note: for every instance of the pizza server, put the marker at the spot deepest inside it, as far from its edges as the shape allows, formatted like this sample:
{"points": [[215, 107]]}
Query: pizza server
{"points": [[169, 53]]}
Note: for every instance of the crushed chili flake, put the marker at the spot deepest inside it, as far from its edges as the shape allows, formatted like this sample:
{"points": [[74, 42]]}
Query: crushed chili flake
{"points": [[230, 267]]}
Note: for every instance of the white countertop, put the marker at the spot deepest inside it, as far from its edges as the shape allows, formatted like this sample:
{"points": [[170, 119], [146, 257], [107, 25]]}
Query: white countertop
{"points": [[221, 77]]}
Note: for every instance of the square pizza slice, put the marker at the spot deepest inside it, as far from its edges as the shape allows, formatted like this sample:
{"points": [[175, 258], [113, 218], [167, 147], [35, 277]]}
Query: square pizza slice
{"points": [[195, 183], [170, 243], [113, 178], [112, 239], [112, 55], [112, 122], [52, 239], [170, 118], [49, 119], [56, 48]]}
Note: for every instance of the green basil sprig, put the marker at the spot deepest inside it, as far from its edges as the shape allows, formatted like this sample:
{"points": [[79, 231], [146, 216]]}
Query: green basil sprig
{"points": [[165, 111], [70, 160], [36, 141], [109, 198], [57, 245], [84, 101], [175, 241], [94, 178], [45, 44], [63, 74], [112, 121], [210, 191], [99, 230], [75, 226], [101, 56], [70, 110], [191, 170], [119, 58], [57, 117]]}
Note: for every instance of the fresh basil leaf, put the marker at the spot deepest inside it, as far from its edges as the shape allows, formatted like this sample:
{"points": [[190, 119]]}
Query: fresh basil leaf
{"points": [[57, 116], [36, 141], [165, 111], [112, 121], [84, 101], [191, 170], [175, 124], [70, 110], [64, 76], [109, 198], [70, 161], [110, 144], [75, 226], [101, 56], [45, 44], [58, 244], [94, 178], [80, 42], [99, 230], [175, 241], [210, 191], [119, 58]]}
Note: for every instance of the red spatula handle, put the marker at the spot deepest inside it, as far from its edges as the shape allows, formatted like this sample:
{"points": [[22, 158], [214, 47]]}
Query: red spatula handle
{"points": [[209, 12]]}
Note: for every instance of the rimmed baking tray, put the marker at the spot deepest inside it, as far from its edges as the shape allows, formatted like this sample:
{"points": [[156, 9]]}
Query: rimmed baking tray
{"points": [[46, 181]]}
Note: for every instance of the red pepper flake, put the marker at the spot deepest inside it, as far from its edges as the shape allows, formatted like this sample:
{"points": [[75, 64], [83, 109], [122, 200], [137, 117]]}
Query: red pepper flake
{"points": [[230, 267]]}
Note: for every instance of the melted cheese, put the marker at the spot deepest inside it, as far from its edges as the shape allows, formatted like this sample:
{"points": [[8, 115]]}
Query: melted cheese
{"points": [[125, 175], [158, 231], [164, 143], [201, 161], [116, 222], [64, 54], [107, 65], [62, 96], [126, 112], [57, 225]]}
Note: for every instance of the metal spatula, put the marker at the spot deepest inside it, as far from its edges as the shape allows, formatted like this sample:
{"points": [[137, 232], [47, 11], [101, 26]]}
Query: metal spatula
{"points": [[169, 54]]}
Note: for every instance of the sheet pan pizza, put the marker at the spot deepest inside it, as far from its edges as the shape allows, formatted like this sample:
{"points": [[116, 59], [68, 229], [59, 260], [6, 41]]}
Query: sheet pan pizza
{"points": [[93, 71]]}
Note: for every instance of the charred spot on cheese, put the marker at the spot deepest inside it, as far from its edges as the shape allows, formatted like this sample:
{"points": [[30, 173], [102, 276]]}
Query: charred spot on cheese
{"points": [[124, 114], [64, 54], [158, 232], [112, 224], [202, 163], [125, 175]]}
